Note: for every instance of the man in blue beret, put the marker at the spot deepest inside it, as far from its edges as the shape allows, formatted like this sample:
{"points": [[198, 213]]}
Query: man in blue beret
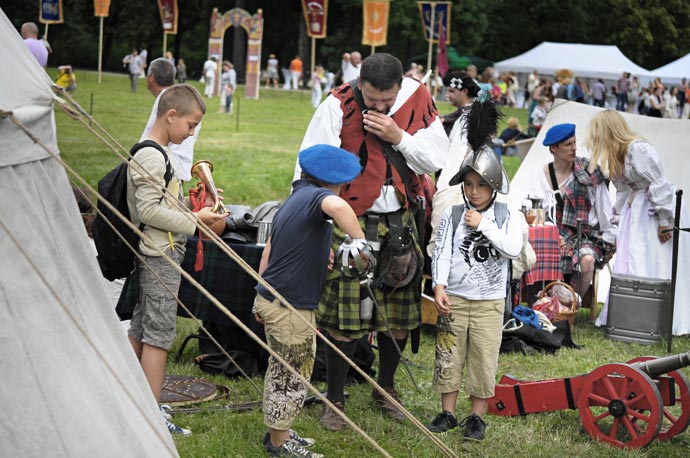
{"points": [[570, 194], [295, 262]]}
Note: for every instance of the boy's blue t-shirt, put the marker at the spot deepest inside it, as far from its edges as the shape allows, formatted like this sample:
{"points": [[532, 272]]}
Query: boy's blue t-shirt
{"points": [[301, 238]]}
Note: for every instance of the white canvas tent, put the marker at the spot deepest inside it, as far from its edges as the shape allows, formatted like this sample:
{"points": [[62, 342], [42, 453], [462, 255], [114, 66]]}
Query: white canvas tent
{"points": [[673, 72], [72, 386], [587, 61], [671, 138]]}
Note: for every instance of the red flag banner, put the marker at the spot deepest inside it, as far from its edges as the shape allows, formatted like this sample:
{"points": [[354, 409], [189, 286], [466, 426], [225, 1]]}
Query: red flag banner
{"points": [[51, 12], [315, 15], [101, 8], [437, 13], [375, 28], [442, 58], [168, 10]]}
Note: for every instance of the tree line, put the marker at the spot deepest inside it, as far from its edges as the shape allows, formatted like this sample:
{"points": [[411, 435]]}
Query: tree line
{"points": [[649, 32]]}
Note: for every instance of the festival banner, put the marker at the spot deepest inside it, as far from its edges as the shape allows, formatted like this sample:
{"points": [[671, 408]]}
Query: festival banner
{"points": [[315, 16], [168, 10], [101, 8], [438, 13], [51, 12], [442, 57], [375, 28]]}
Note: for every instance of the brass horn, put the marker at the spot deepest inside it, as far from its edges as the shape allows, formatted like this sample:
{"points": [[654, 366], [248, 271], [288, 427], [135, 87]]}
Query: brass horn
{"points": [[202, 171]]}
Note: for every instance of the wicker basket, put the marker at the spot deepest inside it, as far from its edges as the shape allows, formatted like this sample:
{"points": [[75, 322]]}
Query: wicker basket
{"points": [[570, 316]]}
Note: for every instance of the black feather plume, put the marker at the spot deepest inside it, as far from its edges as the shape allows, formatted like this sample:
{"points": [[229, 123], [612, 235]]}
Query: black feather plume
{"points": [[482, 123]]}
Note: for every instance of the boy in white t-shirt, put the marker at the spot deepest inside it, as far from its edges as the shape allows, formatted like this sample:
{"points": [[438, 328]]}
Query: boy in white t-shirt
{"points": [[470, 266]]}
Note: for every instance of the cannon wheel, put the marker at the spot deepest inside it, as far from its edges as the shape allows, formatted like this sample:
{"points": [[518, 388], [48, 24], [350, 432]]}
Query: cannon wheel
{"points": [[619, 404], [676, 418]]}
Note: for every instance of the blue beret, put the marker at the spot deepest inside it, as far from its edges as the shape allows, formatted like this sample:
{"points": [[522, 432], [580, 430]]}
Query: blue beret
{"points": [[329, 164], [559, 133]]}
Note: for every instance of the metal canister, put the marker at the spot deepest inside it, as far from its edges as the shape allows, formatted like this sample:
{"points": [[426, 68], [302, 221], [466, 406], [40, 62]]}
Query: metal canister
{"points": [[263, 232]]}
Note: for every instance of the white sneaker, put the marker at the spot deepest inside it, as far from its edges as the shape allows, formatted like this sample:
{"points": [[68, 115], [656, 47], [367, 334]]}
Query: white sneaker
{"points": [[177, 430], [165, 411]]}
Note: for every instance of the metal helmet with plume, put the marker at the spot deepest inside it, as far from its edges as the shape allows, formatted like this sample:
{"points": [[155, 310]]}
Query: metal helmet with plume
{"points": [[480, 126]]}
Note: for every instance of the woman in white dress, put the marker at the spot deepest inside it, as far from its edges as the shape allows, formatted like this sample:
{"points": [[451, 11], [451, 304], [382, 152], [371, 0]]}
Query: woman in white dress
{"points": [[645, 203]]}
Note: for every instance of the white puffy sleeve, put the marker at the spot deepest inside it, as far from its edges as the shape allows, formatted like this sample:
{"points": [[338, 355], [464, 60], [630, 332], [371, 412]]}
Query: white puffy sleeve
{"points": [[647, 168]]}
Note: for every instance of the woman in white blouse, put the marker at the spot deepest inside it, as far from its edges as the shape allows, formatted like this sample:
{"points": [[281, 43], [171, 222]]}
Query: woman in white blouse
{"points": [[644, 208]]}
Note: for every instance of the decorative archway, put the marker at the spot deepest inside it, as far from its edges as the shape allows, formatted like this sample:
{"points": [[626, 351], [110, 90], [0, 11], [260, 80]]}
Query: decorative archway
{"points": [[254, 26]]}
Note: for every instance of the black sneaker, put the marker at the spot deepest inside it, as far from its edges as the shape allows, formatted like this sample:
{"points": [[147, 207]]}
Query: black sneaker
{"points": [[290, 449], [443, 422], [303, 441], [474, 427]]}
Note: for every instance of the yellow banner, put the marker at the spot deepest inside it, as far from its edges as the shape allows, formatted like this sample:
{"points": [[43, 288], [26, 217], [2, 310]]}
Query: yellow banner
{"points": [[101, 8], [375, 29]]}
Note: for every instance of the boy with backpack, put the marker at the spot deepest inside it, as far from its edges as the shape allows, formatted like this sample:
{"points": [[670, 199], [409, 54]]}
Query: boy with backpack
{"points": [[152, 328], [295, 262], [470, 266]]}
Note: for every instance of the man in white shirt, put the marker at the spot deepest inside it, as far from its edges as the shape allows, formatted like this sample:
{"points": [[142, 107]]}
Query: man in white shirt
{"points": [[133, 63], [350, 65], [210, 70], [381, 117], [161, 75]]}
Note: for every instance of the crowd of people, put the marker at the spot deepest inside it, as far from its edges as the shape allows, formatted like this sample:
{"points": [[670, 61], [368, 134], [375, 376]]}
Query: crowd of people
{"points": [[627, 95], [361, 186]]}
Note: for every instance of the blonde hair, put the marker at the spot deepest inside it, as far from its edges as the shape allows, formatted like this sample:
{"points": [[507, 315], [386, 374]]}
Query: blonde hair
{"points": [[608, 137], [183, 98], [514, 123]]}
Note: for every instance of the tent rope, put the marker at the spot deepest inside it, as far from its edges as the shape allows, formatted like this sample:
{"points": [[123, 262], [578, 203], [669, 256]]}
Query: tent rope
{"points": [[249, 270], [125, 388]]}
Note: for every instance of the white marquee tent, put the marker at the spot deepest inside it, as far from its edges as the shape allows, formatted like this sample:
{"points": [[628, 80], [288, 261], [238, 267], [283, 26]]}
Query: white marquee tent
{"points": [[72, 386], [670, 137], [586, 61], [673, 72]]}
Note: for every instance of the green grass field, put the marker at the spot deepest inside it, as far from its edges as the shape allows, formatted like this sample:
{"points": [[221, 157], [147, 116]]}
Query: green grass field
{"points": [[254, 152]]}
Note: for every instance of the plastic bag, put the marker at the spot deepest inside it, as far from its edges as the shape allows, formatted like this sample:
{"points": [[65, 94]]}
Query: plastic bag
{"points": [[564, 296]]}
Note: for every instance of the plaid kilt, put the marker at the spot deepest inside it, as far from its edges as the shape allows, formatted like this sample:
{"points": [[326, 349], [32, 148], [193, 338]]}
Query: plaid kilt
{"points": [[339, 308], [570, 257]]}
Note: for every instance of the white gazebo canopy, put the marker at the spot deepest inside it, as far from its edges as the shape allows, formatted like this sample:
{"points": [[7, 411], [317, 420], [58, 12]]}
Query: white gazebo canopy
{"points": [[586, 61], [673, 72]]}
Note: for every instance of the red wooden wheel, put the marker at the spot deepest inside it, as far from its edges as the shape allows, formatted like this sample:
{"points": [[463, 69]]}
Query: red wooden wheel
{"points": [[677, 417], [619, 404]]}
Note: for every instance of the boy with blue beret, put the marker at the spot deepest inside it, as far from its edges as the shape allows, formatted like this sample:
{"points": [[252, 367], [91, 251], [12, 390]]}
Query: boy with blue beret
{"points": [[295, 262]]}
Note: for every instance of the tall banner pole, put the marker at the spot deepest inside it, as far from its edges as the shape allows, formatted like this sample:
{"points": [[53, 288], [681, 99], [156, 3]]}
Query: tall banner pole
{"points": [[50, 12], [431, 40], [315, 13], [100, 9], [100, 50], [165, 43], [313, 57], [375, 23]]}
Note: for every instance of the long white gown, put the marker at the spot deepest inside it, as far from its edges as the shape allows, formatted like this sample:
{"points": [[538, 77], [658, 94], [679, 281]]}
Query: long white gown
{"points": [[645, 199]]}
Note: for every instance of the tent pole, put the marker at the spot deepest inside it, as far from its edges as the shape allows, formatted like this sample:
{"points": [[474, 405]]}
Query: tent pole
{"points": [[313, 56]]}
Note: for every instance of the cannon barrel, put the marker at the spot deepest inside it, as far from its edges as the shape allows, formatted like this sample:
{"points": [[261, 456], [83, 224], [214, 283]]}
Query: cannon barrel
{"points": [[660, 366]]}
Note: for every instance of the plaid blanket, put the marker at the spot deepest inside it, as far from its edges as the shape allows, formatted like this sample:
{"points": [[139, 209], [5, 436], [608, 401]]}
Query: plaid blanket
{"points": [[221, 276], [546, 243]]}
